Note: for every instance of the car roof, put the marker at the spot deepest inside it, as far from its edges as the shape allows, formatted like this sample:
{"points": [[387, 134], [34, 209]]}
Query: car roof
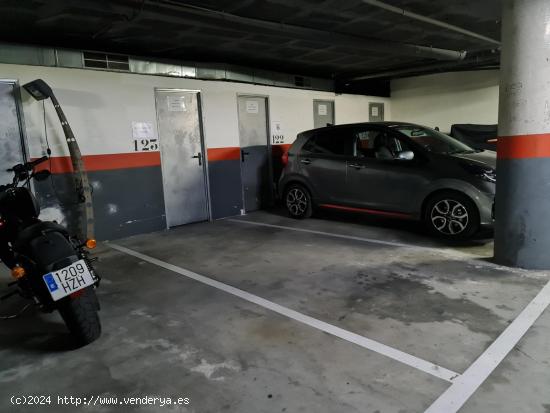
{"points": [[387, 124]]}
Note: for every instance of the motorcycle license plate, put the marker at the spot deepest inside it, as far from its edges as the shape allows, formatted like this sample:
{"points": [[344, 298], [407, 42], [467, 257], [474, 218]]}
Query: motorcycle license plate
{"points": [[68, 280]]}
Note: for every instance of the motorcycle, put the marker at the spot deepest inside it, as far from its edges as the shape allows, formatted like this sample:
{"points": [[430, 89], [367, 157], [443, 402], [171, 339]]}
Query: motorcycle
{"points": [[52, 268]]}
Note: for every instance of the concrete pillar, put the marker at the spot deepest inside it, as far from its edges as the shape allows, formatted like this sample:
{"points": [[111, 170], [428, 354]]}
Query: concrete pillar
{"points": [[522, 233]]}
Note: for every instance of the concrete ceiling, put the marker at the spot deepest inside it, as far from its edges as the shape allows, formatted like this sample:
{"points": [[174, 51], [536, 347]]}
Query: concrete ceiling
{"points": [[328, 38]]}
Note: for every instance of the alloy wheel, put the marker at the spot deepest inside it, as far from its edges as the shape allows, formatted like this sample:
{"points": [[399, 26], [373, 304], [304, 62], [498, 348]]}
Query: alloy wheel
{"points": [[296, 201], [449, 217]]}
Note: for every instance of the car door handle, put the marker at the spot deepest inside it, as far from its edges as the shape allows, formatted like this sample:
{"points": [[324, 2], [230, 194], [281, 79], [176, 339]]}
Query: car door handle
{"points": [[243, 154], [199, 157], [356, 166], [306, 161]]}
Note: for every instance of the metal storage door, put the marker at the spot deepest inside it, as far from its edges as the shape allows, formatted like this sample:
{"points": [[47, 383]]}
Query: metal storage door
{"points": [[376, 112], [323, 113], [185, 193], [255, 167], [11, 142]]}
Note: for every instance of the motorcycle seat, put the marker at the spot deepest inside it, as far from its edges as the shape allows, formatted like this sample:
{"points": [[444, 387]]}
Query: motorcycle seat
{"points": [[37, 229]]}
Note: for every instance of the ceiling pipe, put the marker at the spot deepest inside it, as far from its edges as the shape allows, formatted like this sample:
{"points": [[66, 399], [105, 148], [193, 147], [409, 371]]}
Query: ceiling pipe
{"points": [[429, 20], [465, 64], [373, 45]]}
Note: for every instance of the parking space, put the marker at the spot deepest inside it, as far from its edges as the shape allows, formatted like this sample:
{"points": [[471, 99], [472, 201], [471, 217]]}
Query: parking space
{"points": [[394, 293], [247, 342], [169, 336]]}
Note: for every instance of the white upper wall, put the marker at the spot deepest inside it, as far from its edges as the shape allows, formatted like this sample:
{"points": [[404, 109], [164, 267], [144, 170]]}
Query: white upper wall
{"points": [[355, 108], [101, 106], [446, 98]]}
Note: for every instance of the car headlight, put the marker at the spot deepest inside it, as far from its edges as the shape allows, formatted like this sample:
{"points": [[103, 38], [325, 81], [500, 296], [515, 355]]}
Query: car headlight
{"points": [[489, 175], [483, 172]]}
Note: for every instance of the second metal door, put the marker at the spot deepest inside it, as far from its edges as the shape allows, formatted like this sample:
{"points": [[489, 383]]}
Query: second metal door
{"points": [[255, 165], [181, 145], [376, 112], [323, 113]]}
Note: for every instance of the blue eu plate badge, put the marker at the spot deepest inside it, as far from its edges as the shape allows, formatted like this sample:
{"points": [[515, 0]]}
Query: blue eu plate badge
{"points": [[50, 282]]}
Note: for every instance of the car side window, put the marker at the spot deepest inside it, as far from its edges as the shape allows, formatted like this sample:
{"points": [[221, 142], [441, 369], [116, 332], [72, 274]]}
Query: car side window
{"points": [[400, 145], [329, 142], [364, 143], [378, 144]]}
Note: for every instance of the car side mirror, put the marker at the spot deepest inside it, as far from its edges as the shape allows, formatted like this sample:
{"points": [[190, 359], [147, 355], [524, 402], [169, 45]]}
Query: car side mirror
{"points": [[405, 156]]}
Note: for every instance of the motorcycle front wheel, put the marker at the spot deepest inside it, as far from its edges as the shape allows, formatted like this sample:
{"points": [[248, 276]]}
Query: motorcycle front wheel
{"points": [[80, 316]]}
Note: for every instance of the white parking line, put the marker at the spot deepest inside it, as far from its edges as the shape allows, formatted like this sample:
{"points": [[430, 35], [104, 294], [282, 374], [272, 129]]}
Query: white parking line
{"points": [[465, 385], [362, 239], [365, 342]]}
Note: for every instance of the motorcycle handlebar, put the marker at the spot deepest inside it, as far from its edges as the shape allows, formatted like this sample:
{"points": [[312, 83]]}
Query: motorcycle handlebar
{"points": [[36, 162], [29, 166]]}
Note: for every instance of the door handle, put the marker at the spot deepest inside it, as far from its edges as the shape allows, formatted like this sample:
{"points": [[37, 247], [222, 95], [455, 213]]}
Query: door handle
{"points": [[243, 154], [306, 161], [199, 157], [356, 166]]}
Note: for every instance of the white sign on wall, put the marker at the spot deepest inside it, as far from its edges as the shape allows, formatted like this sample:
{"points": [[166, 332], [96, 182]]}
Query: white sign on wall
{"points": [[252, 106], [322, 110], [374, 111], [143, 136], [277, 133], [142, 130], [176, 103]]}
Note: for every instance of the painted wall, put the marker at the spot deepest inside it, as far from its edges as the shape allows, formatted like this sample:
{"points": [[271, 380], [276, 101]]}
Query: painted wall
{"points": [[101, 107], [446, 98]]}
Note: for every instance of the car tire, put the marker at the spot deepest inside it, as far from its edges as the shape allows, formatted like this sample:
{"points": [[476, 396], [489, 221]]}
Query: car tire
{"points": [[451, 215], [297, 201]]}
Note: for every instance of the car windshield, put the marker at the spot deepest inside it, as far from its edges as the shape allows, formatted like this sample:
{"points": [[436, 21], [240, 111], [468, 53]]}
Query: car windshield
{"points": [[433, 140]]}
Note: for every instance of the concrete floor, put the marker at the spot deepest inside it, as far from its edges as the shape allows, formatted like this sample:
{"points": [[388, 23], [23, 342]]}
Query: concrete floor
{"points": [[169, 336]]}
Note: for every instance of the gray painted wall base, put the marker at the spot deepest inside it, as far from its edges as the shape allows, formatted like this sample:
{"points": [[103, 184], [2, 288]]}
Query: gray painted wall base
{"points": [[522, 227], [126, 201]]}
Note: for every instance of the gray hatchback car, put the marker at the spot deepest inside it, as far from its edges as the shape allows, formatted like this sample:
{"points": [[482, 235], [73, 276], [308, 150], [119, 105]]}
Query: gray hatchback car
{"points": [[391, 169]]}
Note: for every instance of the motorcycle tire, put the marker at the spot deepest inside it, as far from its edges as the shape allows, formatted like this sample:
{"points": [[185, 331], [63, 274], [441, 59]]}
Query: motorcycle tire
{"points": [[80, 316]]}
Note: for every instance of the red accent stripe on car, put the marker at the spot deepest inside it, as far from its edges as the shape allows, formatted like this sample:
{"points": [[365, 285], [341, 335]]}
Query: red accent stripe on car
{"points": [[524, 146], [368, 211], [62, 164]]}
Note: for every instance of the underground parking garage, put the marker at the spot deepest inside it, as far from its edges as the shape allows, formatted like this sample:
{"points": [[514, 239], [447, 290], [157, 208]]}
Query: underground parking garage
{"points": [[275, 206]]}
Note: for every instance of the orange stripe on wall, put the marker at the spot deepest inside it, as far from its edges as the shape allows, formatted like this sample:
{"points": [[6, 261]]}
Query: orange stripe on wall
{"points": [[524, 146], [234, 152], [224, 154], [62, 164]]}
